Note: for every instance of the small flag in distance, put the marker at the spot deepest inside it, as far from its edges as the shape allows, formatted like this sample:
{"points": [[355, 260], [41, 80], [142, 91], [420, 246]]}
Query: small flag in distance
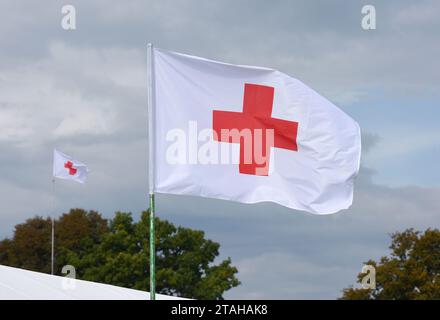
{"points": [[65, 167]]}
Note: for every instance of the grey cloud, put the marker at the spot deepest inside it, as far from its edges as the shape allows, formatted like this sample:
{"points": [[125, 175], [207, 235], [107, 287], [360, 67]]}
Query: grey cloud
{"points": [[278, 247], [320, 42], [84, 92], [369, 141]]}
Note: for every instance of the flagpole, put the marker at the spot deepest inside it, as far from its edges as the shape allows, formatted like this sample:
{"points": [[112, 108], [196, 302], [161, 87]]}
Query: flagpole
{"points": [[53, 230], [150, 107]]}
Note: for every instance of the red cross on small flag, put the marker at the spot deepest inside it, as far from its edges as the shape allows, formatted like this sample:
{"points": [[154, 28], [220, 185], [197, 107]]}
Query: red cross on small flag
{"points": [[65, 167], [249, 134]]}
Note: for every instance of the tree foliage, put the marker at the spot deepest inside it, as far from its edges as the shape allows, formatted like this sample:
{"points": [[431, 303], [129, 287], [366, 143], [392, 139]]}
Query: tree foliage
{"points": [[411, 271], [117, 252]]}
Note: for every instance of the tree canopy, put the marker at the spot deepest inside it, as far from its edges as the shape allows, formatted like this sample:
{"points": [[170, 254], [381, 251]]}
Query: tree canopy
{"points": [[117, 252], [410, 272]]}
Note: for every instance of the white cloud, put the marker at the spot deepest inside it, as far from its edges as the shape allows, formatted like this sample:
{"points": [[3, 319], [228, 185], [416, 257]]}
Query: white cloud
{"points": [[85, 122]]}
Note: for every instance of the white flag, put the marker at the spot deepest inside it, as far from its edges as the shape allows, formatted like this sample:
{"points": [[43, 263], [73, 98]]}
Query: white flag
{"points": [[249, 134], [65, 167]]}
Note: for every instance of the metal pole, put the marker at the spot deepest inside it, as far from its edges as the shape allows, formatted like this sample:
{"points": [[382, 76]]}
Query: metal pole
{"points": [[150, 105], [53, 240], [53, 230], [152, 251]]}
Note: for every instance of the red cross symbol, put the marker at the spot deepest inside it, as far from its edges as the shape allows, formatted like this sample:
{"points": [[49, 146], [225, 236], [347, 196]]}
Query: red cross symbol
{"points": [[69, 165], [256, 118]]}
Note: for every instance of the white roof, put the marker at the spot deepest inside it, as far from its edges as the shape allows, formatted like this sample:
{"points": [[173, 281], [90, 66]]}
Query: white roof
{"points": [[23, 284]]}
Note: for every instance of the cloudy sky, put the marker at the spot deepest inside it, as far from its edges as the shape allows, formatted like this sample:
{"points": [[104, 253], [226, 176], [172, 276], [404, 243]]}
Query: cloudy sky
{"points": [[83, 91]]}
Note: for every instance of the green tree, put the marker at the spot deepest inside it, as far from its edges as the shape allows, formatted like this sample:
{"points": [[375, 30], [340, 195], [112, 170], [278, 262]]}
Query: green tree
{"points": [[184, 259], [30, 247], [117, 252], [410, 272], [77, 231]]}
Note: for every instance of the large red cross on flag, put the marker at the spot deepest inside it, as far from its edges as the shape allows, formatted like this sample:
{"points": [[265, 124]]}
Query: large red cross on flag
{"points": [[249, 134], [256, 115]]}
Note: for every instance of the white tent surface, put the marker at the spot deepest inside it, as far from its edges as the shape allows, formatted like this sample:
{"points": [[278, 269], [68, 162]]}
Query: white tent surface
{"points": [[18, 284]]}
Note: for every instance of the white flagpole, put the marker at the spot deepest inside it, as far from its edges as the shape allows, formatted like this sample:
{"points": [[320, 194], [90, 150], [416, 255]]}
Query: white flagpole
{"points": [[150, 106], [53, 229]]}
